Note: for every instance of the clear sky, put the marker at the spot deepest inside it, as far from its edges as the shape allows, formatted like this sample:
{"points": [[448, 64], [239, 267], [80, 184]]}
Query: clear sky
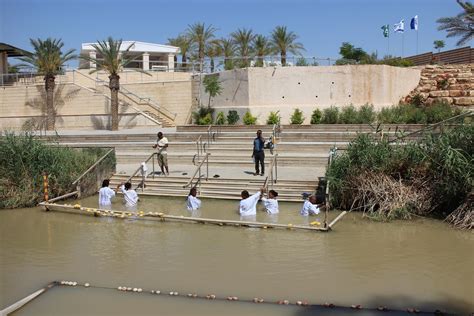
{"points": [[322, 25]]}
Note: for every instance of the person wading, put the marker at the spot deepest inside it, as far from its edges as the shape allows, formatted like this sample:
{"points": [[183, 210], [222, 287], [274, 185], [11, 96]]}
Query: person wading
{"points": [[258, 154]]}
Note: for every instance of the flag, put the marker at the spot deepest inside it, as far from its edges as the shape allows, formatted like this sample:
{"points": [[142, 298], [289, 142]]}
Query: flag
{"points": [[385, 30], [414, 23], [399, 27]]}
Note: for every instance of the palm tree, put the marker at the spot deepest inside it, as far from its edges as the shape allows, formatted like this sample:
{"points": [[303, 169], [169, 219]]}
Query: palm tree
{"points": [[111, 59], [228, 50], [48, 59], [184, 44], [243, 40], [461, 25], [213, 50], [261, 47], [438, 45], [284, 41], [200, 35]]}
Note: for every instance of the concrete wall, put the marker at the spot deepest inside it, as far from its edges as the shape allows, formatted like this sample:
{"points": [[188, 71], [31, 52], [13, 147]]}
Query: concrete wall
{"points": [[285, 88], [77, 108]]}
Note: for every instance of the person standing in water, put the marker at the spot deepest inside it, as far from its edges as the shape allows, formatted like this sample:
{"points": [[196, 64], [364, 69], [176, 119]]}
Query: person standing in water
{"points": [[130, 196], [105, 195], [193, 203], [271, 203]]}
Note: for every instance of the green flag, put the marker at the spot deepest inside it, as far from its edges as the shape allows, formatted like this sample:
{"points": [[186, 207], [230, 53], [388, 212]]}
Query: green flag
{"points": [[385, 30]]}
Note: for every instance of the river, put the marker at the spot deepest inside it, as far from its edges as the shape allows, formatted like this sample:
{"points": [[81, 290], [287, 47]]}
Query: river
{"points": [[423, 263]]}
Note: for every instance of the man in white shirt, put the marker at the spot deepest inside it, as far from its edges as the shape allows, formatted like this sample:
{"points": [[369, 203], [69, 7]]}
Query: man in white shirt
{"points": [[310, 207], [130, 197], [248, 204], [105, 195], [193, 203], [271, 203], [162, 144]]}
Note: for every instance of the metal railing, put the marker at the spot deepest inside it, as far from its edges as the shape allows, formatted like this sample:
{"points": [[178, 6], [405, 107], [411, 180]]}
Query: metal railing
{"points": [[432, 127], [272, 177], [142, 183], [99, 83], [200, 149], [198, 172], [77, 182]]}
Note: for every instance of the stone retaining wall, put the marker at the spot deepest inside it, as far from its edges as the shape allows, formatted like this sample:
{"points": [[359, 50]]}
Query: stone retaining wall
{"points": [[453, 84]]}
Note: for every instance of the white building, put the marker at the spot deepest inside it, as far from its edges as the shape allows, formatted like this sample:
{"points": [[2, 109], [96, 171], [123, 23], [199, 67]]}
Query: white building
{"points": [[146, 56]]}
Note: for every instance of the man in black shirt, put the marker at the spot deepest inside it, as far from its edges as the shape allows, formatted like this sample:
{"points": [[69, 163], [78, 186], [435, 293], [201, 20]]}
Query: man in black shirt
{"points": [[258, 154]]}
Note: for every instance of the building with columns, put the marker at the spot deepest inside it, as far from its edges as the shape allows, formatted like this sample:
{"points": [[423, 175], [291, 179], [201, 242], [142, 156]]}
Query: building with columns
{"points": [[146, 56]]}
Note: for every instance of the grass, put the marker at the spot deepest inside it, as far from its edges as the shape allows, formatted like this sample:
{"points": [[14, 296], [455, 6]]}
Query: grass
{"points": [[434, 176], [24, 159]]}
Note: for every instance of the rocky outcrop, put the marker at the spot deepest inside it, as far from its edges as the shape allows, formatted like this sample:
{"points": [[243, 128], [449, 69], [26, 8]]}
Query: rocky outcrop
{"points": [[453, 84]]}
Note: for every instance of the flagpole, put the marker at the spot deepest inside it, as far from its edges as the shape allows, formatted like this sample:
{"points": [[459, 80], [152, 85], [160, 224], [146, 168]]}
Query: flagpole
{"points": [[403, 42], [417, 42]]}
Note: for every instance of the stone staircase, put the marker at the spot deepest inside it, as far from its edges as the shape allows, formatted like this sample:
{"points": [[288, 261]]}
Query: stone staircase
{"points": [[288, 190], [302, 157]]}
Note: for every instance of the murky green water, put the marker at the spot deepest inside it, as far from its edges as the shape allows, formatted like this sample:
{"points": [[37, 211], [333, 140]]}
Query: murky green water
{"points": [[424, 263]]}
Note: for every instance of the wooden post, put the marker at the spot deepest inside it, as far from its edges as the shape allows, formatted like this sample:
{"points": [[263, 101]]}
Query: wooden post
{"points": [[78, 189], [45, 186]]}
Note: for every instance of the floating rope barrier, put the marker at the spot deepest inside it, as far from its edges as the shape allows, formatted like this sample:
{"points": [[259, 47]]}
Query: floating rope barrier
{"points": [[194, 295], [314, 226]]}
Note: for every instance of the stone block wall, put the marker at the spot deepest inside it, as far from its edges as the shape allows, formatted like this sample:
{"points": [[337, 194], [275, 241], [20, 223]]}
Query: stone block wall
{"points": [[453, 84]]}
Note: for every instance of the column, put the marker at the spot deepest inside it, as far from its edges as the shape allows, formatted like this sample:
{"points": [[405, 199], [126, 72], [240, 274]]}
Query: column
{"points": [[92, 64], [146, 61], [3, 63], [171, 62]]}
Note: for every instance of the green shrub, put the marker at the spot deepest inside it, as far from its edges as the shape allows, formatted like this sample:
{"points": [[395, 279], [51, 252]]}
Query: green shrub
{"points": [[366, 114], [330, 115], [348, 115], [232, 117], [206, 120], [402, 114], [248, 119], [220, 118], [274, 118], [202, 115], [24, 158], [438, 112], [301, 62], [316, 116], [297, 117]]}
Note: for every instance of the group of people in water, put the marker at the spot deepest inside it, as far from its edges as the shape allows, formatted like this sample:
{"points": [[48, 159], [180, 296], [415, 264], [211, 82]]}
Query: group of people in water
{"points": [[247, 205]]}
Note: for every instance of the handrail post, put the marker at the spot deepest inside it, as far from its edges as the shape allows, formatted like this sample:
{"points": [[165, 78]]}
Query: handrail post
{"points": [[276, 168], [153, 164], [207, 167]]}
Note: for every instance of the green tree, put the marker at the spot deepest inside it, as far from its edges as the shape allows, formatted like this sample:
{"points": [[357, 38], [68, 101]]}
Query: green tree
{"points": [[284, 42], [48, 60], [228, 50], [261, 47], [438, 44], [461, 25], [351, 53], [213, 50], [111, 59], [184, 44], [212, 86], [243, 41], [200, 35]]}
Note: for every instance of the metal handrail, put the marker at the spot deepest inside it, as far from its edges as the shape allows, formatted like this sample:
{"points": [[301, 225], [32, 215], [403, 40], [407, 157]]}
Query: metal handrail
{"points": [[93, 166], [198, 170], [433, 126], [273, 173], [139, 168]]}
